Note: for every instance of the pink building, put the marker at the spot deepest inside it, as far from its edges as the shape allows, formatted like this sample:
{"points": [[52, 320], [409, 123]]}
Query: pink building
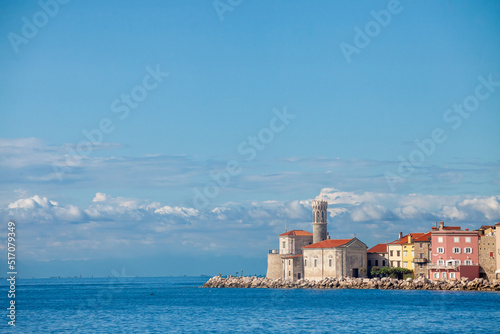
{"points": [[455, 253]]}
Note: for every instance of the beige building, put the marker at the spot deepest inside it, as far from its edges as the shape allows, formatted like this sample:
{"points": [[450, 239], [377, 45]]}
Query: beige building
{"points": [[335, 258], [302, 254], [377, 256], [291, 242], [395, 251]]}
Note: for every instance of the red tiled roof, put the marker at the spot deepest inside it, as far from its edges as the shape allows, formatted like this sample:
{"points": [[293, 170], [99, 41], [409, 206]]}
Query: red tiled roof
{"points": [[447, 228], [380, 248], [404, 239], [329, 243], [296, 232], [292, 256], [423, 237]]}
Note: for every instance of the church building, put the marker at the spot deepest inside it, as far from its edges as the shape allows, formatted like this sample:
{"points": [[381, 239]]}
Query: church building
{"points": [[315, 256]]}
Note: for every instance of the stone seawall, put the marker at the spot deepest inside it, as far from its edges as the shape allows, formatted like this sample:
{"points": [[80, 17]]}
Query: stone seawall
{"points": [[384, 283]]}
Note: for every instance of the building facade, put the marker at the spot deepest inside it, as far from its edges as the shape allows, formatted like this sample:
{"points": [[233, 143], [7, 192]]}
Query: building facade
{"points": [[487, 252], [409, 250], [455, 254], [402, 250], [335, 258], [377, 257], [497, 250], [422, 255], [395, 252]]}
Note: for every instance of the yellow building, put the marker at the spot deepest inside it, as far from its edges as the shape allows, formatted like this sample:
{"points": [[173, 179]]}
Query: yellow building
{"points": [[402, 251], [408, 246]]}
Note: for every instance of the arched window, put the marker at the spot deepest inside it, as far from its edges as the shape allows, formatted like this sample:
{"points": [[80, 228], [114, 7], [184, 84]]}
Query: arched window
{"points": [[322, 217], [317, 217]]}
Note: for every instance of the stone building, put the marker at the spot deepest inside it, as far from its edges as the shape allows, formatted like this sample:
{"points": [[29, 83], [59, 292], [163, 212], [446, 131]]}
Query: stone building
{"points": [[302, 254], [377, 257], [497, 250], [422, 255], [335, 258], [487, 250], [291, 244]]}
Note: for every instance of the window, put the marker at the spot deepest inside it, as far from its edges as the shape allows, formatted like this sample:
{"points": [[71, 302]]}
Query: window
{"points": [[444, 275], [383, 263], [421, 244], [450, 263], [420, 266], [315, 262], [440, 250], [413, 253], [330, 262], [392, 253], [405, 264], [369, 263], [284, 243], [467, 239], [399, 264], [440, 239], [468, 262], [456, 239], [452, 275], [398, 253], [289, 273], [440, 262], [456, 250], [305, 262], [436, 275], [468, 250], [289, 262], [404, 253], [376, 263]]}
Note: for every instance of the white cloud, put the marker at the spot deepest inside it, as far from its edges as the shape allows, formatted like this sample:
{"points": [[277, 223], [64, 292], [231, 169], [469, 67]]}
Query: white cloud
{"points": [[32, 203], [119, 226], [176, 210], [100, 197]]}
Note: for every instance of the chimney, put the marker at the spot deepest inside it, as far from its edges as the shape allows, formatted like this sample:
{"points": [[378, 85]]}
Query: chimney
{"points": [[400, 235], [441, 226], [468, 229], [409, 238]]}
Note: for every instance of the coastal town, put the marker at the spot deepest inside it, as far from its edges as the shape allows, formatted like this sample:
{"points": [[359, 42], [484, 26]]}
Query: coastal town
{"points": [[444, 253]]}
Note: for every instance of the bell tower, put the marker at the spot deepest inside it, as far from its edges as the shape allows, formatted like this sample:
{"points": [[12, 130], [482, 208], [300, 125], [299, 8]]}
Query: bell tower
{"points": [[319, 220]]}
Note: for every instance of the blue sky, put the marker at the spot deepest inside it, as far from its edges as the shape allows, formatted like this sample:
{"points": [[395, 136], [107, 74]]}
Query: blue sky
{"points": [[353, 120]]}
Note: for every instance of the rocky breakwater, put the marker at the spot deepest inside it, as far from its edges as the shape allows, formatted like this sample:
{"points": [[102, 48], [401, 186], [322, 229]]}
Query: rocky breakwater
{"points": [[384, 283]]}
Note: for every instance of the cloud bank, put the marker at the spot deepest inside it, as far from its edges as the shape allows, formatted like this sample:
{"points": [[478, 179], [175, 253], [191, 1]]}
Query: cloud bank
{"points": [[119, 227]]}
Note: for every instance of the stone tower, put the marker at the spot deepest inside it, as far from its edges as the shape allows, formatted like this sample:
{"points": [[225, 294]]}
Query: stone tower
{"points": [[319, 220]]}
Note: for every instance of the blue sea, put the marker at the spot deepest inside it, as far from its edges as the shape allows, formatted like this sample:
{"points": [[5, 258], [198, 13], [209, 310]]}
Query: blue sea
{"points": [[180, 305]]}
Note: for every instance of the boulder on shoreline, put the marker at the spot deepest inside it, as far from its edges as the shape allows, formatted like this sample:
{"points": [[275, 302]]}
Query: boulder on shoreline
{"points": [[384, 283]]}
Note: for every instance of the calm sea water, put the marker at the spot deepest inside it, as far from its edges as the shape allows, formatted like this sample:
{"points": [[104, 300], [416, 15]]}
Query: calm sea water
{"points": [[170, 305]]}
